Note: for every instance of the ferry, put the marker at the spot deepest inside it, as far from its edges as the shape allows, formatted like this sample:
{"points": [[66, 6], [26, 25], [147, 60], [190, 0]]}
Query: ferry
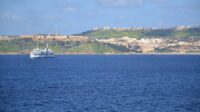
{"points": [[42, 53]]}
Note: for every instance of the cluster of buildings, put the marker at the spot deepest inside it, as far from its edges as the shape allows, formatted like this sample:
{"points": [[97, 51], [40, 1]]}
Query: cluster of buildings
{"points": [[8, 37], [120, 29], [138, 28], [145, 45], [56, 37], [150, 45]]}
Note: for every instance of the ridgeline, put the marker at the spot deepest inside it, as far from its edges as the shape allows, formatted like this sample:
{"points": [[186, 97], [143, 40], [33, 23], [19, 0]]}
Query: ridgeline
{"points": [[105, 33]]}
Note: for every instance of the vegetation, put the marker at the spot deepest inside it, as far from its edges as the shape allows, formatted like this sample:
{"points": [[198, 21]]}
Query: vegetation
{"points": [[93, 48], [26, 45], [18, 45], [144, 33], [15, 46], [163, 50], [111, 34]]}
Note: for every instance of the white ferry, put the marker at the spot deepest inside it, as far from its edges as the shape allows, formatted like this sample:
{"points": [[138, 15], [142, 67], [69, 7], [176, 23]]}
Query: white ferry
{"points": [[42, 53]]}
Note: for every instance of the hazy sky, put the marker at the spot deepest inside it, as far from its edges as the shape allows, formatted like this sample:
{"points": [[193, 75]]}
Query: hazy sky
{"points": [[75, 16]]}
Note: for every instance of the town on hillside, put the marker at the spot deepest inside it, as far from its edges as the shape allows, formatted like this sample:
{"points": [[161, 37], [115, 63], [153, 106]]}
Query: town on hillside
{"points": [[123, 44]]}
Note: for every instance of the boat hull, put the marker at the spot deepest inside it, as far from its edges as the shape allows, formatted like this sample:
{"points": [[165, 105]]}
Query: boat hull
{"points": [[41, 56]]}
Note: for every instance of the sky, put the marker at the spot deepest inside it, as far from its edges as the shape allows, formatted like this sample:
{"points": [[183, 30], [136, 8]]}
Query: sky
{"points": [[75, 16]]}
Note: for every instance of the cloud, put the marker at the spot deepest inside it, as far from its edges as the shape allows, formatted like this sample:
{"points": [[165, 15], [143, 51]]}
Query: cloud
{"points": [[70, 9], [117, 3], [121, 3], [53, 16], [9, 16]]}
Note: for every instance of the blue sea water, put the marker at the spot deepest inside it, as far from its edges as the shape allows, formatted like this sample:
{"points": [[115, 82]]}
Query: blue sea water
{"points": [[94, 83]]}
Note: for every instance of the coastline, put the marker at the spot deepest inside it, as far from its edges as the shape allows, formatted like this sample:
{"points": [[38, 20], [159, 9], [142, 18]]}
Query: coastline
{"points": [[109, 54]]}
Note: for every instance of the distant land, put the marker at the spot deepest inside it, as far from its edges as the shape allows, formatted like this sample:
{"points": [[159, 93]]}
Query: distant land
{"points": [[108, 40], [175, 32]]}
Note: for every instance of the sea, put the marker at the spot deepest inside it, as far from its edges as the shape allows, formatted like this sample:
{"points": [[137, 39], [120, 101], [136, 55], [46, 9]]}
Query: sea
{"points": [[100, 83]]}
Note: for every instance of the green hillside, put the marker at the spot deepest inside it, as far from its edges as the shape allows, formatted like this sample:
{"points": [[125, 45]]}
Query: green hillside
{"points": [[26, 45], [97, 48], [144, 33], [91, 48], [16, 46]]}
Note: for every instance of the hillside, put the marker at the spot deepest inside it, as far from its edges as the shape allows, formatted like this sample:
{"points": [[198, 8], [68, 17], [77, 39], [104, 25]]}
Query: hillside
{"points": [[144, 33], [24, 46], [109, 41]]}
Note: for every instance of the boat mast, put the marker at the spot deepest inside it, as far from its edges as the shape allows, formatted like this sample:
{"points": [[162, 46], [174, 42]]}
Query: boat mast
{"points": [[47, 45], [37, 45]]}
